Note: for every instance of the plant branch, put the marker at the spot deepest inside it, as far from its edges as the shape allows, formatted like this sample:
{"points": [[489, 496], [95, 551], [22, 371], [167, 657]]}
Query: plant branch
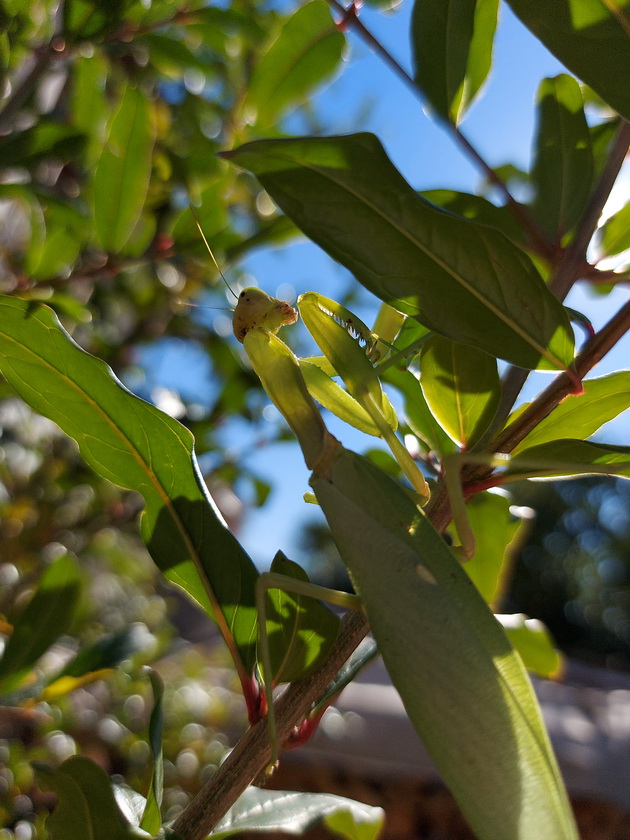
{"points": [[537, 239], [438, 510], [250, 756]]}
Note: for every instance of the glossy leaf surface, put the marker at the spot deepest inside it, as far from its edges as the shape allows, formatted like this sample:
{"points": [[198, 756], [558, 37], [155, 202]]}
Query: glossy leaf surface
{"points": [[295, 813], [461, 386], [589, 37], [568, 457], [462, 279], [463, 686], [452, 48], [604, 398], [563, 164], [133, 444]]}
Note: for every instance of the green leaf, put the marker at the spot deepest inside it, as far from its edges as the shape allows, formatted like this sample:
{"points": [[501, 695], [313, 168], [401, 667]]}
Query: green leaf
{"points": [[460, 278], [151, 818], [452, 48], [417, 413], [90, 19], [138, 447], [123, 172], [463, 686], [295, 813], [604, 398], [494, 529], [562, 172], [534, 644], [568, 457], [47, 616], [479, 209], [40, 142], [461, 386], [589, 37], [614, 235], [301, 630], [306, 53], [88, 105], [85, 807]]}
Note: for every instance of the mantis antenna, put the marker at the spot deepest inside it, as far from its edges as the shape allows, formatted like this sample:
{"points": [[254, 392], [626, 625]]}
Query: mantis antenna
{"points": [[212, 257]]}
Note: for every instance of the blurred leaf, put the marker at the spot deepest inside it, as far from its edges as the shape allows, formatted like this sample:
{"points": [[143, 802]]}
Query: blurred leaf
{"points": [[40, 141], [590, 38], [604, 398], [170, 56], [494, 529], [417, 413], [136, 446], [295, 813], [562, 172], [47, 616], [88, 105], [568, 457], [123, 172], [90, 19], [534, 644], [463, 686], [614, 235], [346, 195], [461, 386], [452, 44], [85, 807], [151, 817], [300, 629], [306, 53]]}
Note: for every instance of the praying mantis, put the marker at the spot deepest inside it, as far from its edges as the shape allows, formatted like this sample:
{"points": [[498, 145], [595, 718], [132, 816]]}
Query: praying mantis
{"points": [[400, 565]]}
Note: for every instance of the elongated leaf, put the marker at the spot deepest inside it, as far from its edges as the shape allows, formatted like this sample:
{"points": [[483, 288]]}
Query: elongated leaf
{"points": [[85, 807], [568, 457], [615, 233], [151, 817], [604, 398], [417, 413], [47, 615], [479, 209], [307, 52], [463, 686], [462, 279], [122, 175], [333, 397], [452, 49], [461, 386], [295, 813], [43, 140], [563, 166], [494, 529], [300, 629], [139, 447], [589, 37], [534, 644]]}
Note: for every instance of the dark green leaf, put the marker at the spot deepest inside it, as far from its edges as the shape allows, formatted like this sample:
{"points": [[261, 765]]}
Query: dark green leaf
{"points": [[90, 19], [136, 446], [41, 141], [590, 38], [568, 457], [107, 652], [123, 172], [300, 629], [563, 166], [47, 615], [85, 807], [479, 209], [604, 398], [151, 818], [614, 236], [306, 53], [461, 386], [452, 45], [462, 279], [463, 686], [295, 813]]}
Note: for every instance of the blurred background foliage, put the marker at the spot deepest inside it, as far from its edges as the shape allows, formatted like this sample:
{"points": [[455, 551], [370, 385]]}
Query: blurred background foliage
{"points": [[112, 116]]}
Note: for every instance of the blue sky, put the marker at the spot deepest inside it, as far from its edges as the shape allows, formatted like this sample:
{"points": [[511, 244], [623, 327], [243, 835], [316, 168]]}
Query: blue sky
{"points": [[367, 96]]}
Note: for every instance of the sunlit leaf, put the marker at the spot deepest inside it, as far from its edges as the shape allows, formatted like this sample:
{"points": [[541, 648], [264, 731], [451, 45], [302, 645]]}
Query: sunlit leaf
{"points": [[452, 45], [417, 413], [614, 236], [590, 38], [151, 817], [569, 457], [534, 644], [460, 278], [461, 386]]}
